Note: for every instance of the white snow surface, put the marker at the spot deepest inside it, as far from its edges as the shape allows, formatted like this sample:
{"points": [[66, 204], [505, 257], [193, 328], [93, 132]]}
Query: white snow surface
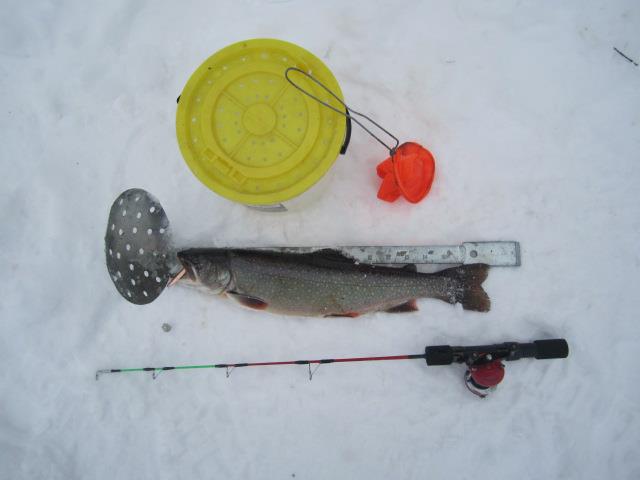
{"points": [[534, 122]]}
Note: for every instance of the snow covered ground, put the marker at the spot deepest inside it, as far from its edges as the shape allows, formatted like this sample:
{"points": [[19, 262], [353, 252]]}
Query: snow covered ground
{"points": [[534, 121]]}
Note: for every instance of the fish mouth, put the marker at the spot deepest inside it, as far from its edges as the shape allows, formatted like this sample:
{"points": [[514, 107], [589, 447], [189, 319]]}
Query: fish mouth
{"points": [[189, 268]]}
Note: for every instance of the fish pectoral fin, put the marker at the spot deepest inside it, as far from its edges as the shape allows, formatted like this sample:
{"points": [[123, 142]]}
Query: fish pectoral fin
{"points": [[410, 306], [248, 301]]}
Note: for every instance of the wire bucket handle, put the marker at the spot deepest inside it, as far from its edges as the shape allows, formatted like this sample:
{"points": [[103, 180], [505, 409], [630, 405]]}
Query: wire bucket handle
{"points": [[348, 113]]}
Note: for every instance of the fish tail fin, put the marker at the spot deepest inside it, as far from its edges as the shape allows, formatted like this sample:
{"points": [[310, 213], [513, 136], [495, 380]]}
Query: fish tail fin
{"points": [[467, 289]]}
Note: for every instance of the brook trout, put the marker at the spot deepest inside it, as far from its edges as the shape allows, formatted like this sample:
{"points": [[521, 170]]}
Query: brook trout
{"points": [[326, 283]]}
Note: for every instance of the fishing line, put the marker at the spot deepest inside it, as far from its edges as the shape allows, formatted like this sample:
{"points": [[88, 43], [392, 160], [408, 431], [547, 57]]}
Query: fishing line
{"points": [[311, 373]]}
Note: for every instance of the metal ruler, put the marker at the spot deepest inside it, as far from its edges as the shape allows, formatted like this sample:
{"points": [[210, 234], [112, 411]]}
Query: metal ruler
{"points": [[496, 254]]}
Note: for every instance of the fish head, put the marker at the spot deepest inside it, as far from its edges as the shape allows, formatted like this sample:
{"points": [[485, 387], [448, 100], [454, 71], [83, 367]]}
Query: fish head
{"points": [[207, 267]]}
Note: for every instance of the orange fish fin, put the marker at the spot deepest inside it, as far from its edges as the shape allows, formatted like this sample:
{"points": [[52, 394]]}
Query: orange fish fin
{"points": [[410, 306], [348, 314], [247, 301]]}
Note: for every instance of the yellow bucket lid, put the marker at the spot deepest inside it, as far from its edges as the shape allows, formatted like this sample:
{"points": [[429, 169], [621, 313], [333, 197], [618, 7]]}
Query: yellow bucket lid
{"points": [[247, 133]]}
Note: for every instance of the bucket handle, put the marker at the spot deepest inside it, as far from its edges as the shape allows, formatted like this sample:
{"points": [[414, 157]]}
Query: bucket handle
{"points": [[347, 134], [349, 114]]}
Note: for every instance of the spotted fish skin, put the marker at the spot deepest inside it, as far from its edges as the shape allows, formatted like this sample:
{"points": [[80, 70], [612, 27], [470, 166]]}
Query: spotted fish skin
{"points": [[325, 283]]}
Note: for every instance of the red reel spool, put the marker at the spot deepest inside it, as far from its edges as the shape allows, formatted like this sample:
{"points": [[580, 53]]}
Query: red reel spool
{"points": [[487, 375]]}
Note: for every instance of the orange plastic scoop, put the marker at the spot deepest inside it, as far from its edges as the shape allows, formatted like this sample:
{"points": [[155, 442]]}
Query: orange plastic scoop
{"points": [[409, 172]]}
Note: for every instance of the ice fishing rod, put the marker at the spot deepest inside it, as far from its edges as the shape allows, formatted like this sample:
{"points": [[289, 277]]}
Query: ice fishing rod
{"points": [[484, 362]]}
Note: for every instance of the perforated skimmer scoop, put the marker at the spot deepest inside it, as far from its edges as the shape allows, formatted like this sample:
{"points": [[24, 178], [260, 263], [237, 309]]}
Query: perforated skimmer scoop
{"points": [[140, 258]]}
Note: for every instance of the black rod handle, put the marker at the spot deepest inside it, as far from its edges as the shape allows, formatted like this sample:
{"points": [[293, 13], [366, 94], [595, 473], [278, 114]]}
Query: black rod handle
{"points": [[556, 348], [539, 349], [439, 355]]}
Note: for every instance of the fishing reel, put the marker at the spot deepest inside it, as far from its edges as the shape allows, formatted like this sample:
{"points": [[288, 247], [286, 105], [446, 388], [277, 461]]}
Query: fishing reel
{"points": [[485, 369]]}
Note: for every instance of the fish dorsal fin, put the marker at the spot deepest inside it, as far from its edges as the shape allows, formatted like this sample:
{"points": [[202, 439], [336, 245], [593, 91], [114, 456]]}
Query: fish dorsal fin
{"points": [[330, 255]]}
